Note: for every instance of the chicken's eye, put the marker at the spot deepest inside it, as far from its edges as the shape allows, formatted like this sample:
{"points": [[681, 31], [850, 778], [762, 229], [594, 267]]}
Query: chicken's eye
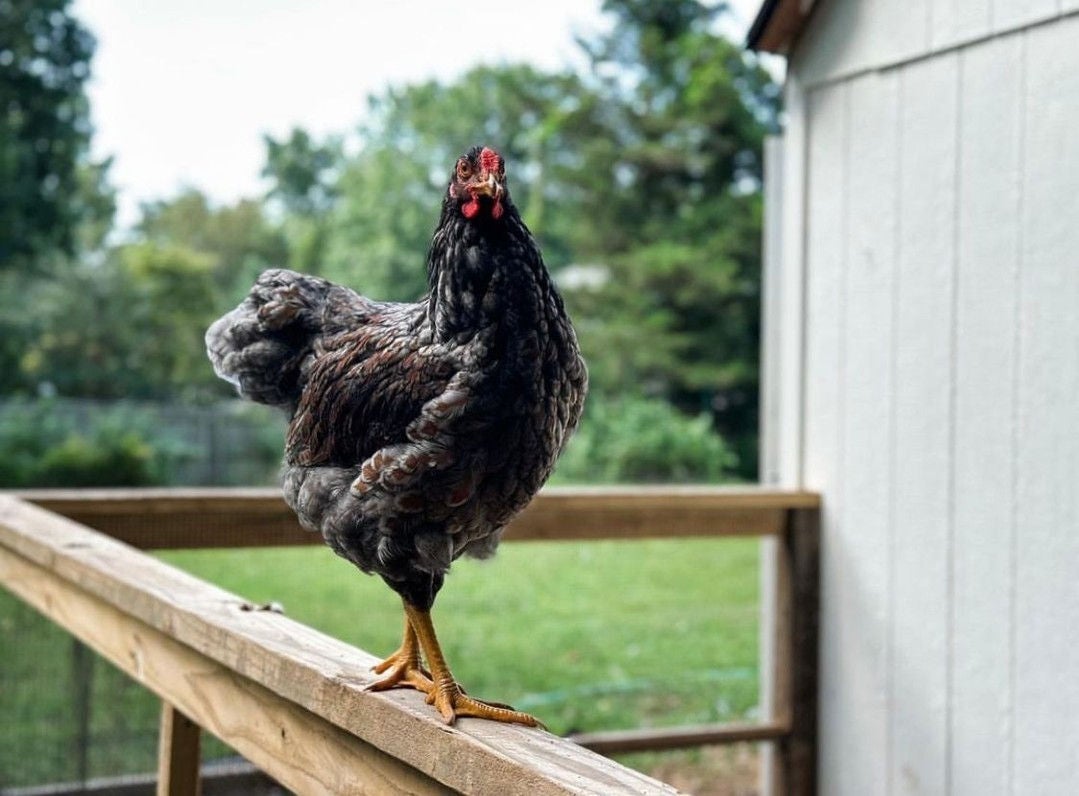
{"points": [[464, 169]]}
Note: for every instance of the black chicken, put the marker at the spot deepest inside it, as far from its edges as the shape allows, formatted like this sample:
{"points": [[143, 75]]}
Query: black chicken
{"points": [[418, 430]]}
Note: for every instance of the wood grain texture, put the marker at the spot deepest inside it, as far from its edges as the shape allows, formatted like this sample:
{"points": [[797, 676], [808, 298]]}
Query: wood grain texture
{"points": [[194, 518], [299, 668], [178, 758], [300, 750], [921, 441], [796, 674], [984, 466], [1046, 544]]}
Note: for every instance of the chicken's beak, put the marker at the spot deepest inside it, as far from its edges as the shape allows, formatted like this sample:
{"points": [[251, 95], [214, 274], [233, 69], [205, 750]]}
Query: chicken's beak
{"points": [[488, 185]]}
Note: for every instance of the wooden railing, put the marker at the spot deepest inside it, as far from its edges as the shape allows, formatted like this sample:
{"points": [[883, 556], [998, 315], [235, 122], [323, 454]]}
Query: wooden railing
{"points": [[291, 699]]}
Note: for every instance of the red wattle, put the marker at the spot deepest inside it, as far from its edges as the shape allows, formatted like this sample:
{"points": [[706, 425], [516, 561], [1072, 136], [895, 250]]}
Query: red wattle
{"points": [[496, 211], [471, 208]]}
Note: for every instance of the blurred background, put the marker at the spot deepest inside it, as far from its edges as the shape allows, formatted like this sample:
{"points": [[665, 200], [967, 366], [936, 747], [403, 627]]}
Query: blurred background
{"points": [[155, 157]]}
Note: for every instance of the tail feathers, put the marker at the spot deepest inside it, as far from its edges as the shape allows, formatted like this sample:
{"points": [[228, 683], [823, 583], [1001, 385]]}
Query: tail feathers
{"points": [[262, 346]]}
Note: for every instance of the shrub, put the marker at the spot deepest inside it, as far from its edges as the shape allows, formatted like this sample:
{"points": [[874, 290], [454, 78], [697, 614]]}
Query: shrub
{"points": [[41, 446], [643, 440]]}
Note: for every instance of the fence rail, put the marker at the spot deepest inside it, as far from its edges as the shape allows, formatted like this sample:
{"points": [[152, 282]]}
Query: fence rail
{"points": [[291, 699]]}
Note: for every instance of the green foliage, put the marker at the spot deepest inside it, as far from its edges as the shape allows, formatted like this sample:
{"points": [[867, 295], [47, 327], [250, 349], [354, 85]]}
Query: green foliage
{"points": [[237, 240], [44, 129], [679, 225], [301, 172], [131, 327], [642, 440], [380, 231], [559, 646], [572, 654], [646, 164], [105, 459], [40, 447]]}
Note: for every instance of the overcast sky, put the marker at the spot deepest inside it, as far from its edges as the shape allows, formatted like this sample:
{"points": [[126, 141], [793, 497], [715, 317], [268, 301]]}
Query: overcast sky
{"points": [[183, 90]]}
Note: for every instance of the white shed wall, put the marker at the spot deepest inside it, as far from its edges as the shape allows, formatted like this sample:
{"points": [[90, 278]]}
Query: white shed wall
{"points": [[936, 378], [847, 37]]}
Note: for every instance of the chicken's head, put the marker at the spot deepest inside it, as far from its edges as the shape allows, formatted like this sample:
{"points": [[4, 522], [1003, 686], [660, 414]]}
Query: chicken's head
{"points": [[478, 184]]}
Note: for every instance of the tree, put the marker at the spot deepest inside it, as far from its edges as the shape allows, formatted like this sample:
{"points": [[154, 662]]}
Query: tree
{"points": [[130, 327], [674, 212], [390, 192], [44, 129], [304, 188], [237, 239], [301, 172]]}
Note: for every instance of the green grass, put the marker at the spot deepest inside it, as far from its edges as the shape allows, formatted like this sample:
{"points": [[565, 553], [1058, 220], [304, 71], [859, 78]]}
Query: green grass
{"points": [[588, 636], [599, 635]]}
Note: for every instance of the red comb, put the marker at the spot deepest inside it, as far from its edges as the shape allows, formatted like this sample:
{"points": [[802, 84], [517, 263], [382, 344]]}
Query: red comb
{"points": [[489, 159]]}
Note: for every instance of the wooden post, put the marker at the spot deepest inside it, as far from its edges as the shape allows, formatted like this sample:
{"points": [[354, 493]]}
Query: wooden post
{"points": [[794, 764], [177, 754], [82, 678]]}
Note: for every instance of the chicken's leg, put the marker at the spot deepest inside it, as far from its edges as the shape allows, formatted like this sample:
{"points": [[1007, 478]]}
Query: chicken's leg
{"points": [[445, 694], [403, 666]]}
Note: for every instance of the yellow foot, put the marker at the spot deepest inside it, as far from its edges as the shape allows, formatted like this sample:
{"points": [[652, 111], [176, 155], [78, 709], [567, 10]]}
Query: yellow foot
{"points": [[453, 703], [404, 671]]}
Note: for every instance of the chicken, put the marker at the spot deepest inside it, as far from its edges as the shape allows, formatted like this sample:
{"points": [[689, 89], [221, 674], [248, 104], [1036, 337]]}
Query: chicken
{"points": [[418, 431]]}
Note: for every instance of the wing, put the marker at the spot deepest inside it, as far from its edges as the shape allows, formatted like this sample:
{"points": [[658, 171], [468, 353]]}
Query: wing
{"points": [[422, 487], [367, 382]]}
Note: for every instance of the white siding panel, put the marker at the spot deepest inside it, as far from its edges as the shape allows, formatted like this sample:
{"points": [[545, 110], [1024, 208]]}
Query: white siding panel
{"points": [[922, 414], [825, 208], [792, 290], [1047, 552], [863, 529], [1012, 14], [846, 36], [985, 375], [957, 21]]}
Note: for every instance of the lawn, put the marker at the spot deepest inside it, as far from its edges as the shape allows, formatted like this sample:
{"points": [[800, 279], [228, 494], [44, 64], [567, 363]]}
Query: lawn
{"points": [[598, 635]]}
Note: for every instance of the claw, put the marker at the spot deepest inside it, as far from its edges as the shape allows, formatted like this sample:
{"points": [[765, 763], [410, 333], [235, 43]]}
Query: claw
{"points": [[452, 703], [403, 667]]}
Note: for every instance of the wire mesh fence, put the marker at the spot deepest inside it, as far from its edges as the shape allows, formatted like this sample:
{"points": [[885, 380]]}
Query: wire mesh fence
{"points": [[69, 716], [68, 442]]}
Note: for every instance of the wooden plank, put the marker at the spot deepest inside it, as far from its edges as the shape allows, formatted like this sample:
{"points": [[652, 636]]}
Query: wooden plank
{"points": [[302, 751], [823, 407], [1046, 539], [178, 759], [657, 738], [921, 482], [777, 593], [178, 518], [308, 670], [983, 464], [861, 535], [794, 675]]}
